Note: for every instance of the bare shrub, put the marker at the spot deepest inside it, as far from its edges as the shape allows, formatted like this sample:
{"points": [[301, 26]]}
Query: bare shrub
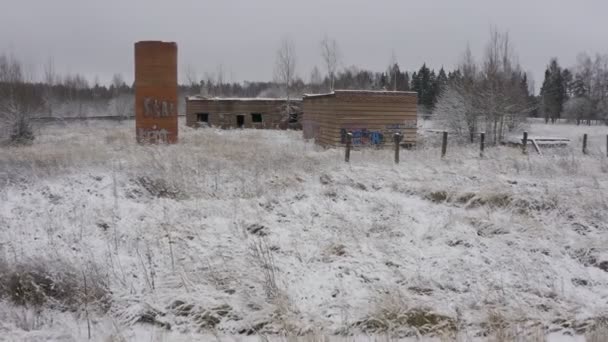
{"points": [[392, 313], [160, 188], [122, 106], [264, 259], [55, 283]]}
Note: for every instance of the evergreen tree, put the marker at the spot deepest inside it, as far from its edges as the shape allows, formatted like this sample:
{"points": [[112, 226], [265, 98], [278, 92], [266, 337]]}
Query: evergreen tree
{"points": [[406, 81], [454, 76], [414, 82], [578, 86], [553, 91], [568, 80], [423, 83], [441, 83], [432, 91], [524, 84], [383, 81]]}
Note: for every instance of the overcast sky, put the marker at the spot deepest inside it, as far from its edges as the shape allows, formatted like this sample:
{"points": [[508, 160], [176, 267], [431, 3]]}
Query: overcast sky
{"points": [[96, 38]]}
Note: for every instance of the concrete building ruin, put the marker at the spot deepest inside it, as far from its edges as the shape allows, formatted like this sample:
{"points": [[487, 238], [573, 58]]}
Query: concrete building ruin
{"points": [[373, 117], [268, 113]]}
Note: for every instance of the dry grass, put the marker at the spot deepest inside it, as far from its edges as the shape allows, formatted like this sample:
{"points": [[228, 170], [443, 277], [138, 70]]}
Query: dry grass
{"points": [[56, 284], [167, 222]]}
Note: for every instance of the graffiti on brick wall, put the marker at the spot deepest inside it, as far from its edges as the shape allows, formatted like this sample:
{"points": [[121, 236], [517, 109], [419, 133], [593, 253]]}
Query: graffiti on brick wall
{"points": [[155, 108], [365, 136], [362, 136], [153, 135]]}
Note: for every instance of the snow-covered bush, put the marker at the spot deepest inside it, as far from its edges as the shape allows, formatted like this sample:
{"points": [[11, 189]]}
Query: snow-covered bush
{"points": [[55, 283], [578, 108]]}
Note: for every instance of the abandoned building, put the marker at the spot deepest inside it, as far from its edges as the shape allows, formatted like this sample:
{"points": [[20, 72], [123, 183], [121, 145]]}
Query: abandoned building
{"points": [[241, 112], [372, 117]]}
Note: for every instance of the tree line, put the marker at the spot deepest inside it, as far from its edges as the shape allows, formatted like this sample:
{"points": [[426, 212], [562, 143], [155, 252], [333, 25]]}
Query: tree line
{"points": [[492, 94], [579, 93]]}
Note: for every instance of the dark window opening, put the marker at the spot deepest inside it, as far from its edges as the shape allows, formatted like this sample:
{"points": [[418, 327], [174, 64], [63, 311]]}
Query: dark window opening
{"points": [[240, 121], [202, 117], [293, 118], [256, 117]]}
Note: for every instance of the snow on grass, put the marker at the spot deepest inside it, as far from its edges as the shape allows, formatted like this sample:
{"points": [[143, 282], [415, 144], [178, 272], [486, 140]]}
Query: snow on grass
{"points": [[261, 232]]}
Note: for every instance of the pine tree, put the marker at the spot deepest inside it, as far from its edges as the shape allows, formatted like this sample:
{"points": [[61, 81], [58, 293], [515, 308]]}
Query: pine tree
{"points": [[578, 86], [406, 81], [415, 83], [524, 85], [441, 84], [431, 91], [553, 91], [568, 81]]}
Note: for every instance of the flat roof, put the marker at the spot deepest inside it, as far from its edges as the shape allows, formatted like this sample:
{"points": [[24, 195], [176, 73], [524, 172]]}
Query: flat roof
{"points": [[362, 92], [270, 99]]}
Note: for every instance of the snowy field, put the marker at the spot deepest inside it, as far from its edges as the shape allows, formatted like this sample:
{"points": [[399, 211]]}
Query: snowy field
{"points": [[250, 232]]}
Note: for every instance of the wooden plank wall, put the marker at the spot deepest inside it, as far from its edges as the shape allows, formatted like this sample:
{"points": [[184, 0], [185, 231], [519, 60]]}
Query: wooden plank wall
{"points": [[223, 113], [373, 118]]}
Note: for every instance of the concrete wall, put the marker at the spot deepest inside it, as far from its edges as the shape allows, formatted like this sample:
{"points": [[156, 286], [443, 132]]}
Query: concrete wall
{"points": [[156, 91], [223, 113]]}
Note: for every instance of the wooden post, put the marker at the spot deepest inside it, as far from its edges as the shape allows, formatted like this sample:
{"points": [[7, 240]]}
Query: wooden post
{"points": [[349, 141], [606, 145], [397, 138], [524, 141], [585, 143], [482, 143], [444, 144]]}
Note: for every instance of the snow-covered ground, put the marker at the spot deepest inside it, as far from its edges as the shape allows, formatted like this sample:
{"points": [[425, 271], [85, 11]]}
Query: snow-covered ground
{"points": [[260, 232]]}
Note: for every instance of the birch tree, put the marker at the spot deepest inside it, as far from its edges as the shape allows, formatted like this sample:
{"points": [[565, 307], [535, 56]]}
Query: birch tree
{"points": [[330, 52], [285, 70]]}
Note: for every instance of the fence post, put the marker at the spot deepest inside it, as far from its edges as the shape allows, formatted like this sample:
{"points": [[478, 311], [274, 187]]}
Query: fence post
{"points": [[397, 139], [444, 144], [482, 143], [524, 141], [585, 143], [349, 140], [606, 145]]}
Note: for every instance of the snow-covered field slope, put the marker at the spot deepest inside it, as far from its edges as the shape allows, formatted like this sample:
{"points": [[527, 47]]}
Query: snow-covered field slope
{"points": [[260, 232]]}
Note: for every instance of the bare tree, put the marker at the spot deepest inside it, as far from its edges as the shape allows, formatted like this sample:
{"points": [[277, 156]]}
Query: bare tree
{"points": [[122, 106], [392, 70], [315, 80], [50, 79], [451, 111], [331, 56], [531, 83], [455, 108], [191, 78], [285, 65], [578, 108], [501, 100], [118, 83], [219, 81], [491, 94], [75, 86], [284, 75]]}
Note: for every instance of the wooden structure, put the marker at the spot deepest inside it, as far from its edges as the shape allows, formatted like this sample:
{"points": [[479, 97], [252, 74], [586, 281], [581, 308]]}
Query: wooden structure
{"points": [[237, 112], [156, 91], [538, 141], [373, 117]]}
